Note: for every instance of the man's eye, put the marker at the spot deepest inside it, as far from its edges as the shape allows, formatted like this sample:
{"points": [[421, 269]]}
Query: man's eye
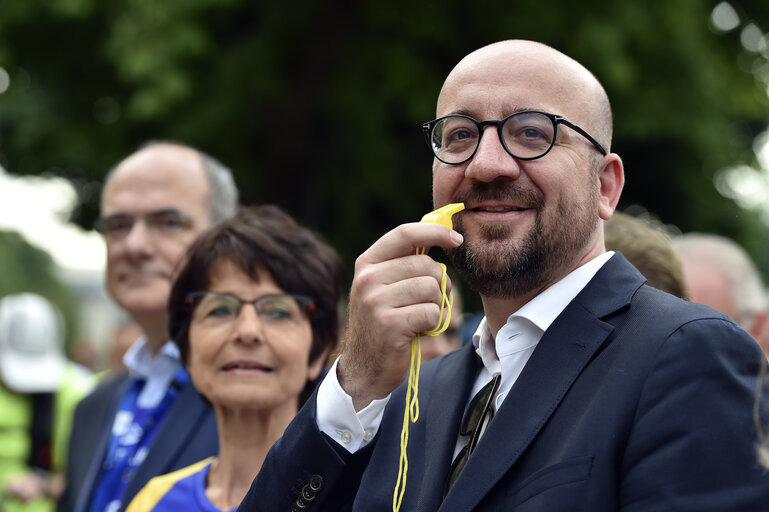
{"points": [[170, 223], [461, 134], [117, 226], [531, 133]]}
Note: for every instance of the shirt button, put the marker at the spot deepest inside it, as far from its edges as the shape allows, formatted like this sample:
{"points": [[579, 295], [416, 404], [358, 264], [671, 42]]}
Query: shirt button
{"points": [[368, 435], [346, 436]]}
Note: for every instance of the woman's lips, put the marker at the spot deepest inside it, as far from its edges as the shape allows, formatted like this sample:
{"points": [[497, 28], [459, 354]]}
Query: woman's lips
{"points": [[245, 366]]}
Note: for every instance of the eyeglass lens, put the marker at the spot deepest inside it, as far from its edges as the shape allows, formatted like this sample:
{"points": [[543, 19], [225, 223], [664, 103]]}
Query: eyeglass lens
{"points": [[275, 309], [480, 411], [455, 139]]}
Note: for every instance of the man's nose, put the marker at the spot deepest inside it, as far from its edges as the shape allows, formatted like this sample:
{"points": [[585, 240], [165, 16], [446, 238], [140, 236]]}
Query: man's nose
{"points": [[139, 238], [491, 161]]}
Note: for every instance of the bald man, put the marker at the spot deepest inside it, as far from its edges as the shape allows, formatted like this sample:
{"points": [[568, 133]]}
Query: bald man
{"points": [[151, 421], [720, 274], [584, 389]]}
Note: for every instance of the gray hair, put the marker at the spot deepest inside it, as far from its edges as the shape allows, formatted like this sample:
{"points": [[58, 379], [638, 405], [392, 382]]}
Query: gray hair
{"points": [[747, 286], [223, 194]]}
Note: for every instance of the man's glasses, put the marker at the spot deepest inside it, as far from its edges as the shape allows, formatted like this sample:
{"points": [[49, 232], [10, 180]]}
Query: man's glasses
{"points": [[161, 224], [526, 135], [280, 309], [479, 413]]}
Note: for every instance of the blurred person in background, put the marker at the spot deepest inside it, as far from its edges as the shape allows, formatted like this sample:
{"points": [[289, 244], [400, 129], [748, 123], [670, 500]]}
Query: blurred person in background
{"points": [[39, 388], [254, 312], [720, 274], [649, 249], [152, 420]]}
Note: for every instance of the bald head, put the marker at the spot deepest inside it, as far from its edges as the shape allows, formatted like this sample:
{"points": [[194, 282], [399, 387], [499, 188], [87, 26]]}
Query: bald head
{"points": [[564, 86], [222, 192]]}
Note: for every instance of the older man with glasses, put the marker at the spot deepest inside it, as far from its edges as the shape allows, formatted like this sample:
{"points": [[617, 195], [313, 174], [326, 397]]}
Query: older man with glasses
{"points": [[152, 421], [584, 389]]}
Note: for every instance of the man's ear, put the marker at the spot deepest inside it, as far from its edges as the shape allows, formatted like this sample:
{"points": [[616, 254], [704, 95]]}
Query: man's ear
{"points": [[611, 178], [759, 329]]}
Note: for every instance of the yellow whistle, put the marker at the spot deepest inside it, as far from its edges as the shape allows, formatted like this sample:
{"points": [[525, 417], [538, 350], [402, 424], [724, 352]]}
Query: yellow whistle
{"points": [[411, 413], [443, 214]]}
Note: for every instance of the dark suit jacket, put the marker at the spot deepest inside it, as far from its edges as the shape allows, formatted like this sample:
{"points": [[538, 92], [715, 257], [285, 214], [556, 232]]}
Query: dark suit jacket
{"points": [[188, 434], [633, 400]]}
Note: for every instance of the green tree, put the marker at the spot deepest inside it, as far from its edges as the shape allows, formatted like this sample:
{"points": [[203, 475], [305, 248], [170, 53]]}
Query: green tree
{"points": [[318, 105]]}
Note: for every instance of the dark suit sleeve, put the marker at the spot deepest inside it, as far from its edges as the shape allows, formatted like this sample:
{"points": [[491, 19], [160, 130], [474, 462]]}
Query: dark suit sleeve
{"points": [[307, 466], [692, 446], [91, 421]]}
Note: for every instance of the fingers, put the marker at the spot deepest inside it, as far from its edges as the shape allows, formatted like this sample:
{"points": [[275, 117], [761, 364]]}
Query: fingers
{"points": [[395, 295], [407, 238]]}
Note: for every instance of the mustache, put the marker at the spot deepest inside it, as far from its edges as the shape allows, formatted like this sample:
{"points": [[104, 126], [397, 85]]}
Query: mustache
{"points": [[146, 267], [481, 192]]}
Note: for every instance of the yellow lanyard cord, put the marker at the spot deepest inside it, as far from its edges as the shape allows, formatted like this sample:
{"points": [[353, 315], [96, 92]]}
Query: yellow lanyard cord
{"points": [[411, 412]]}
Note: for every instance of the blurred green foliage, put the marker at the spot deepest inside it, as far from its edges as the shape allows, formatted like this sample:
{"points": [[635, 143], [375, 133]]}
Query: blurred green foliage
{"points": [[318, 105]]}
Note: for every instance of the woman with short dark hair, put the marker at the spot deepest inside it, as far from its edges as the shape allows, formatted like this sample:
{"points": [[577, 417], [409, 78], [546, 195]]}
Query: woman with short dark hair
{"points": [[254, 311]]}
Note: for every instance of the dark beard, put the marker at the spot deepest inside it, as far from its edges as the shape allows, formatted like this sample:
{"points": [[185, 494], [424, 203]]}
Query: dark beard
{"points": [[495, 267]]}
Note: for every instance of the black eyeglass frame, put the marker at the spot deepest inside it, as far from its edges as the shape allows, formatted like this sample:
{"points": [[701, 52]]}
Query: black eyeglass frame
{"points": [[427, 131], [307, 304]]}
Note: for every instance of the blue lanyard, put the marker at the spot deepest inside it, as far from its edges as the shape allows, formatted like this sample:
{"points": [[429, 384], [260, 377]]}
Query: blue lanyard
{"points": [[133, 430]]}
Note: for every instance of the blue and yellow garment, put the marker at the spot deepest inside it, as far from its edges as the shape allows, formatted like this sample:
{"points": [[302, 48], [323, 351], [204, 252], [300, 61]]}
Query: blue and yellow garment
{"points": [[184, 489]]}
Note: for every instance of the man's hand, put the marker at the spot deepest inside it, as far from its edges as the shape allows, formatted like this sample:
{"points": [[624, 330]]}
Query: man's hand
{"points": [[395, 295]]}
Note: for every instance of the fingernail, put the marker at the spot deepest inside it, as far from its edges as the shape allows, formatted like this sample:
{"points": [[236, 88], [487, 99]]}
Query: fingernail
{"points": [[456, 237]]}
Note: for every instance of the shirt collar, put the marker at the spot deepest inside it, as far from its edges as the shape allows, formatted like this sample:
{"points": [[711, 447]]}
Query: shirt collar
{"points": [[141, 363], [543, 309]]}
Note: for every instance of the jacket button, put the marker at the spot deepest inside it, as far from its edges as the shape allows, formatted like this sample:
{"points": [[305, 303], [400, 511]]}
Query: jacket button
{"points": [[316, 483], [308, 493]]}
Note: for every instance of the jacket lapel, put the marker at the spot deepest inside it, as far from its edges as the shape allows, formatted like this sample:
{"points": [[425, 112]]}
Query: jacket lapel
{"points": [[181, 421], [101, 433], [451, 386], [561, 355]]}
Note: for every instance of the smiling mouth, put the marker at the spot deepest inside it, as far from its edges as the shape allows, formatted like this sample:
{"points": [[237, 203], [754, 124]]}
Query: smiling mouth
{"points": [[139, 275], [246, 366]]}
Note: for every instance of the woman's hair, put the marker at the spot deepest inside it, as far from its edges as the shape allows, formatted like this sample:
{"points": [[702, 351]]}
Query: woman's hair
{"points": [[264, 238]]}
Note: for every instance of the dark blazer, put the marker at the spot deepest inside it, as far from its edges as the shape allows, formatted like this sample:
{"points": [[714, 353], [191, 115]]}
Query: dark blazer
{"points": [[633, 400], [188, 434]]}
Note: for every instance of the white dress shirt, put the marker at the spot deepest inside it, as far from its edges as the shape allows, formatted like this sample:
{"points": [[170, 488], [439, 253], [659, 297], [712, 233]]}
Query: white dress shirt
{"points": [[158, 371], [506, 354]]}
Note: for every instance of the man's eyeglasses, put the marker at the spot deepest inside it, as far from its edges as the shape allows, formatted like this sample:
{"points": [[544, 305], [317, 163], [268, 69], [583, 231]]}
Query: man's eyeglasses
{"points": [[525, 135], [161, 223], [280, 309], [479, 413]]}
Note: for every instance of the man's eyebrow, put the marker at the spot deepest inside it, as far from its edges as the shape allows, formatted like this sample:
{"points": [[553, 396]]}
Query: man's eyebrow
{"points": [[153, 213], [167, 211]]}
